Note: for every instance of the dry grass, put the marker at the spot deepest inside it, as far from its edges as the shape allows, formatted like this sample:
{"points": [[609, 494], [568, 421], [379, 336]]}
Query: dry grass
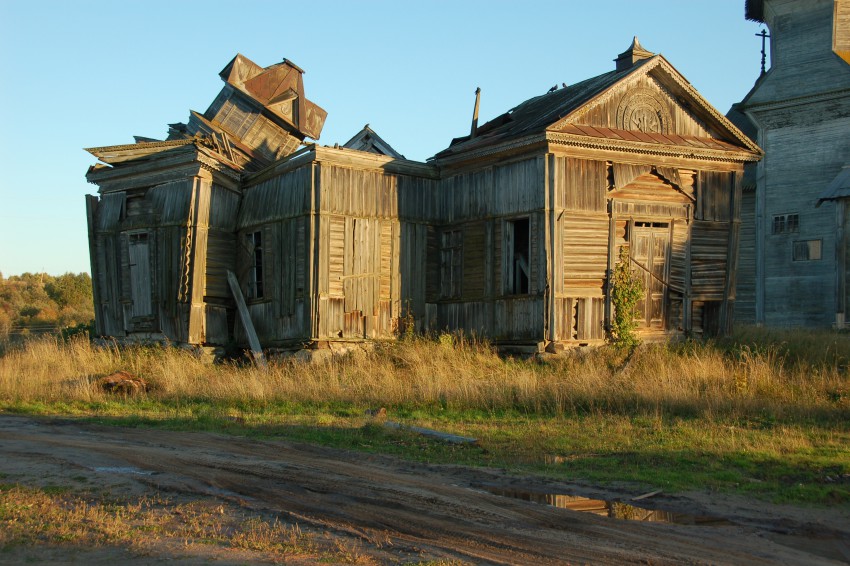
{"points": [[740, 377], [31, 516]]}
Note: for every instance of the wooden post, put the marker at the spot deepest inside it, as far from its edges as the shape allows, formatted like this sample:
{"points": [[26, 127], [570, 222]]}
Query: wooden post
{"points": [[245, 317]]}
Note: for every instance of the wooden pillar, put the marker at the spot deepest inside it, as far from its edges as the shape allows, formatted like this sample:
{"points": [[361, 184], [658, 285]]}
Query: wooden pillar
{"points": [[612, 260], [199, 228]]}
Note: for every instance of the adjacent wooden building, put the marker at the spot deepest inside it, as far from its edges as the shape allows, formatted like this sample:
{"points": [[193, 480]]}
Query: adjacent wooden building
{"points": [[794, 251], [510, 233]]}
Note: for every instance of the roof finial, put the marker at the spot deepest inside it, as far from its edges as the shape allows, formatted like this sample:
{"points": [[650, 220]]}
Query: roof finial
{"points": [[474, 129], [636, 52]]}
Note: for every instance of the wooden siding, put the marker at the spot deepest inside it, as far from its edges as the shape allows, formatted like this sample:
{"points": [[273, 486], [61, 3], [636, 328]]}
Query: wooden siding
{"points": [[585, 253], [581, 185], [708, 260], [281, 197], [365, 193], [580, 319], [745, 293], [501, 190], [714, 196]]}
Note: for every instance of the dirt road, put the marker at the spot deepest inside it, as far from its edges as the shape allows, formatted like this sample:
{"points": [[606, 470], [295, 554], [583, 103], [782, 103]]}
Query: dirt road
{"points": [[409, 512]]}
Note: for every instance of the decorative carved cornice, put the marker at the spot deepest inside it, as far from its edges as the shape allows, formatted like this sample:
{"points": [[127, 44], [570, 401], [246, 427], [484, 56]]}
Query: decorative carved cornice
{"points": [[643, 148]]}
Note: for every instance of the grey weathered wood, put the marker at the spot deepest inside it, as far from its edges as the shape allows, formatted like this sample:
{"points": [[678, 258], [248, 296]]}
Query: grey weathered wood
{"points": [[356, 240], [444, 436]]}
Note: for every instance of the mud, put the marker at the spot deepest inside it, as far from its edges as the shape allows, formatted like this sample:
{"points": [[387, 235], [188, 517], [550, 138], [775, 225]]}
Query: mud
{"points": [[403, 512]]}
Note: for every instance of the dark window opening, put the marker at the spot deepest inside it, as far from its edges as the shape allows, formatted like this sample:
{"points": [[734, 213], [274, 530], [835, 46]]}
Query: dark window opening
{"points": [[255, 280], [451, 250], [518, 272], [807, 250]]}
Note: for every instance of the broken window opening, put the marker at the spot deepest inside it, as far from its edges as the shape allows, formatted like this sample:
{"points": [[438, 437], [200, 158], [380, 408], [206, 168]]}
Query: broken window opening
{"points": [[255, 281], [518, 246]]}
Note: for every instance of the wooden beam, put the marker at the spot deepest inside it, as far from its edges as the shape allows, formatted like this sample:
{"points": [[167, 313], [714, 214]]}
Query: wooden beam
{"points": [[245, 317]]}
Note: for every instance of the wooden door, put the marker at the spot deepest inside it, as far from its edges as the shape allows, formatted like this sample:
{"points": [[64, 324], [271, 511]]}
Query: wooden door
{"points": [[140, 275], [650, 250]]}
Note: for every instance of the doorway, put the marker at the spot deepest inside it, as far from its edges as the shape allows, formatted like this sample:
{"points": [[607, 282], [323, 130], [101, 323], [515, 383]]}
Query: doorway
{"points": [[650, 251]]}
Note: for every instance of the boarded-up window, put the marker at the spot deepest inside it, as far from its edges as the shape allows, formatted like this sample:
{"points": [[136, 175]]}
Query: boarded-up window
{"points": [[255, 273], [807, 250], [517, 273], [451, 260]]}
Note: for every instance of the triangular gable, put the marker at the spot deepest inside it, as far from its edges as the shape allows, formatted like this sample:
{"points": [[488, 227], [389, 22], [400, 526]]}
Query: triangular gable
{"points": [[368, 140], [655, 100]]}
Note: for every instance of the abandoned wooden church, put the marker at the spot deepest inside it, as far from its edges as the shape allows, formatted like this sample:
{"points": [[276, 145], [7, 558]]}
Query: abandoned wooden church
{"points": [[511, 232]]}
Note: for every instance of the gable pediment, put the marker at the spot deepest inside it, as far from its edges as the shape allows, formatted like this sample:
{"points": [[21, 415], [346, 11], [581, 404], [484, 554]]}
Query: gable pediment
{"points": [[654, 104]]}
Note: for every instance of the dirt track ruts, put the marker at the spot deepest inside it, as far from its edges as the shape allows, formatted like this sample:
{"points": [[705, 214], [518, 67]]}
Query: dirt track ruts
{"points": [[438, 511]]}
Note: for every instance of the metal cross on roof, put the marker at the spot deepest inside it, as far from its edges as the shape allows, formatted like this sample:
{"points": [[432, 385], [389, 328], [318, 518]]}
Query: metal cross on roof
{"points": [[764, 36]]}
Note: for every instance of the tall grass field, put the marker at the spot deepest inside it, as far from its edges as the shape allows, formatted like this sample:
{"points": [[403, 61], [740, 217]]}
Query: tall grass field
{"points": [[764, 412]]}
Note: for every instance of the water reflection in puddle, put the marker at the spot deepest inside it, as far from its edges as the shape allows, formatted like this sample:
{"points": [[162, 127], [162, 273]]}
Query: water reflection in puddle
{"points": [[613, 509], [123, 470]]}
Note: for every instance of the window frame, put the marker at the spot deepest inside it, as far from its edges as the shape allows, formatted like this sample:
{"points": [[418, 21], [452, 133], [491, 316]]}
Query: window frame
{"points": [[786, 223], [809, 247]]}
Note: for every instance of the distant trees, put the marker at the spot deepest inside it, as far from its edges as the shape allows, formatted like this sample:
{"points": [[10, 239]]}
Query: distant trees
{"points": [[33, 302]]}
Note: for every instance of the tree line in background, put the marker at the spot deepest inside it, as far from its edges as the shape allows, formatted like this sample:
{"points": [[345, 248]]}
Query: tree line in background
{"points": [[35, 303]]}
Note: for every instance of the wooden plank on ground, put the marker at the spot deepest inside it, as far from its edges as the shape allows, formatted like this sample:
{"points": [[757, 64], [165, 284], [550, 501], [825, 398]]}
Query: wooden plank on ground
{"points": [[245, 317]]}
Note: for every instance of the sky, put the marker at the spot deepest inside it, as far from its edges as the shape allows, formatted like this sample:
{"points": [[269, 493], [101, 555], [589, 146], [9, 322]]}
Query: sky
{"points": [[78, 74]]}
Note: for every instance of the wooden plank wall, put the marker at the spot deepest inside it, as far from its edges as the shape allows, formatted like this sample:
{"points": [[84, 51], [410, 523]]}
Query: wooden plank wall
{"points": [[581, 228], [745, 294], [372, 270], [161, 212], [480, 204]]}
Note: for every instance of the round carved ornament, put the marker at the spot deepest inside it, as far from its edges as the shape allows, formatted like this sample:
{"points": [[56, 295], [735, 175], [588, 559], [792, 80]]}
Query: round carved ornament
{"points": [[641, 110]]}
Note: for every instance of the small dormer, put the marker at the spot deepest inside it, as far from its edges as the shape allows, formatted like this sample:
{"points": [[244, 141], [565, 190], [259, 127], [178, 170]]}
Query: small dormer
{"points": [[627, 59]]}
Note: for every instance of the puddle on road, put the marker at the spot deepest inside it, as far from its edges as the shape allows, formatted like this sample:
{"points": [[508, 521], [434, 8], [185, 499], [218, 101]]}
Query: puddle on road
{"points": [[124, 470], [612, 509]]}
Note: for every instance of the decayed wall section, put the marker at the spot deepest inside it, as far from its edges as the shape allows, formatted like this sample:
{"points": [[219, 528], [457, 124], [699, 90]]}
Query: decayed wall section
{"points": [[373, 230], [483, 210], [278, 208]]}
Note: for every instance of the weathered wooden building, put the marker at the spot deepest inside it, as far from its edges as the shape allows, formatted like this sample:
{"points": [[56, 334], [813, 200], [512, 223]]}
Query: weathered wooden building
{"points": [[511, 232], [794, 252]]}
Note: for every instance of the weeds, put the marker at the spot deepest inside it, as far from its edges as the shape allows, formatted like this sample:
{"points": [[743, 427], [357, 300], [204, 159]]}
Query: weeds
{"points": [[778, 401]]}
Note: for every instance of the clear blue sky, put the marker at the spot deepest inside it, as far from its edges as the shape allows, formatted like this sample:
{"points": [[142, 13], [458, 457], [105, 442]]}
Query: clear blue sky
{"points": [[83, 73]]}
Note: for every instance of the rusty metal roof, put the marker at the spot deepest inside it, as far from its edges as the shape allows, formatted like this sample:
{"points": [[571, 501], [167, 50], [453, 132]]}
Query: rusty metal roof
{"points": [[538, 113]]}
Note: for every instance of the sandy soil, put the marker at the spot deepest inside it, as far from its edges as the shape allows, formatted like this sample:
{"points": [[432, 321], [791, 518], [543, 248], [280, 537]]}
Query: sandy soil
{"points": [[397, 511]]}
